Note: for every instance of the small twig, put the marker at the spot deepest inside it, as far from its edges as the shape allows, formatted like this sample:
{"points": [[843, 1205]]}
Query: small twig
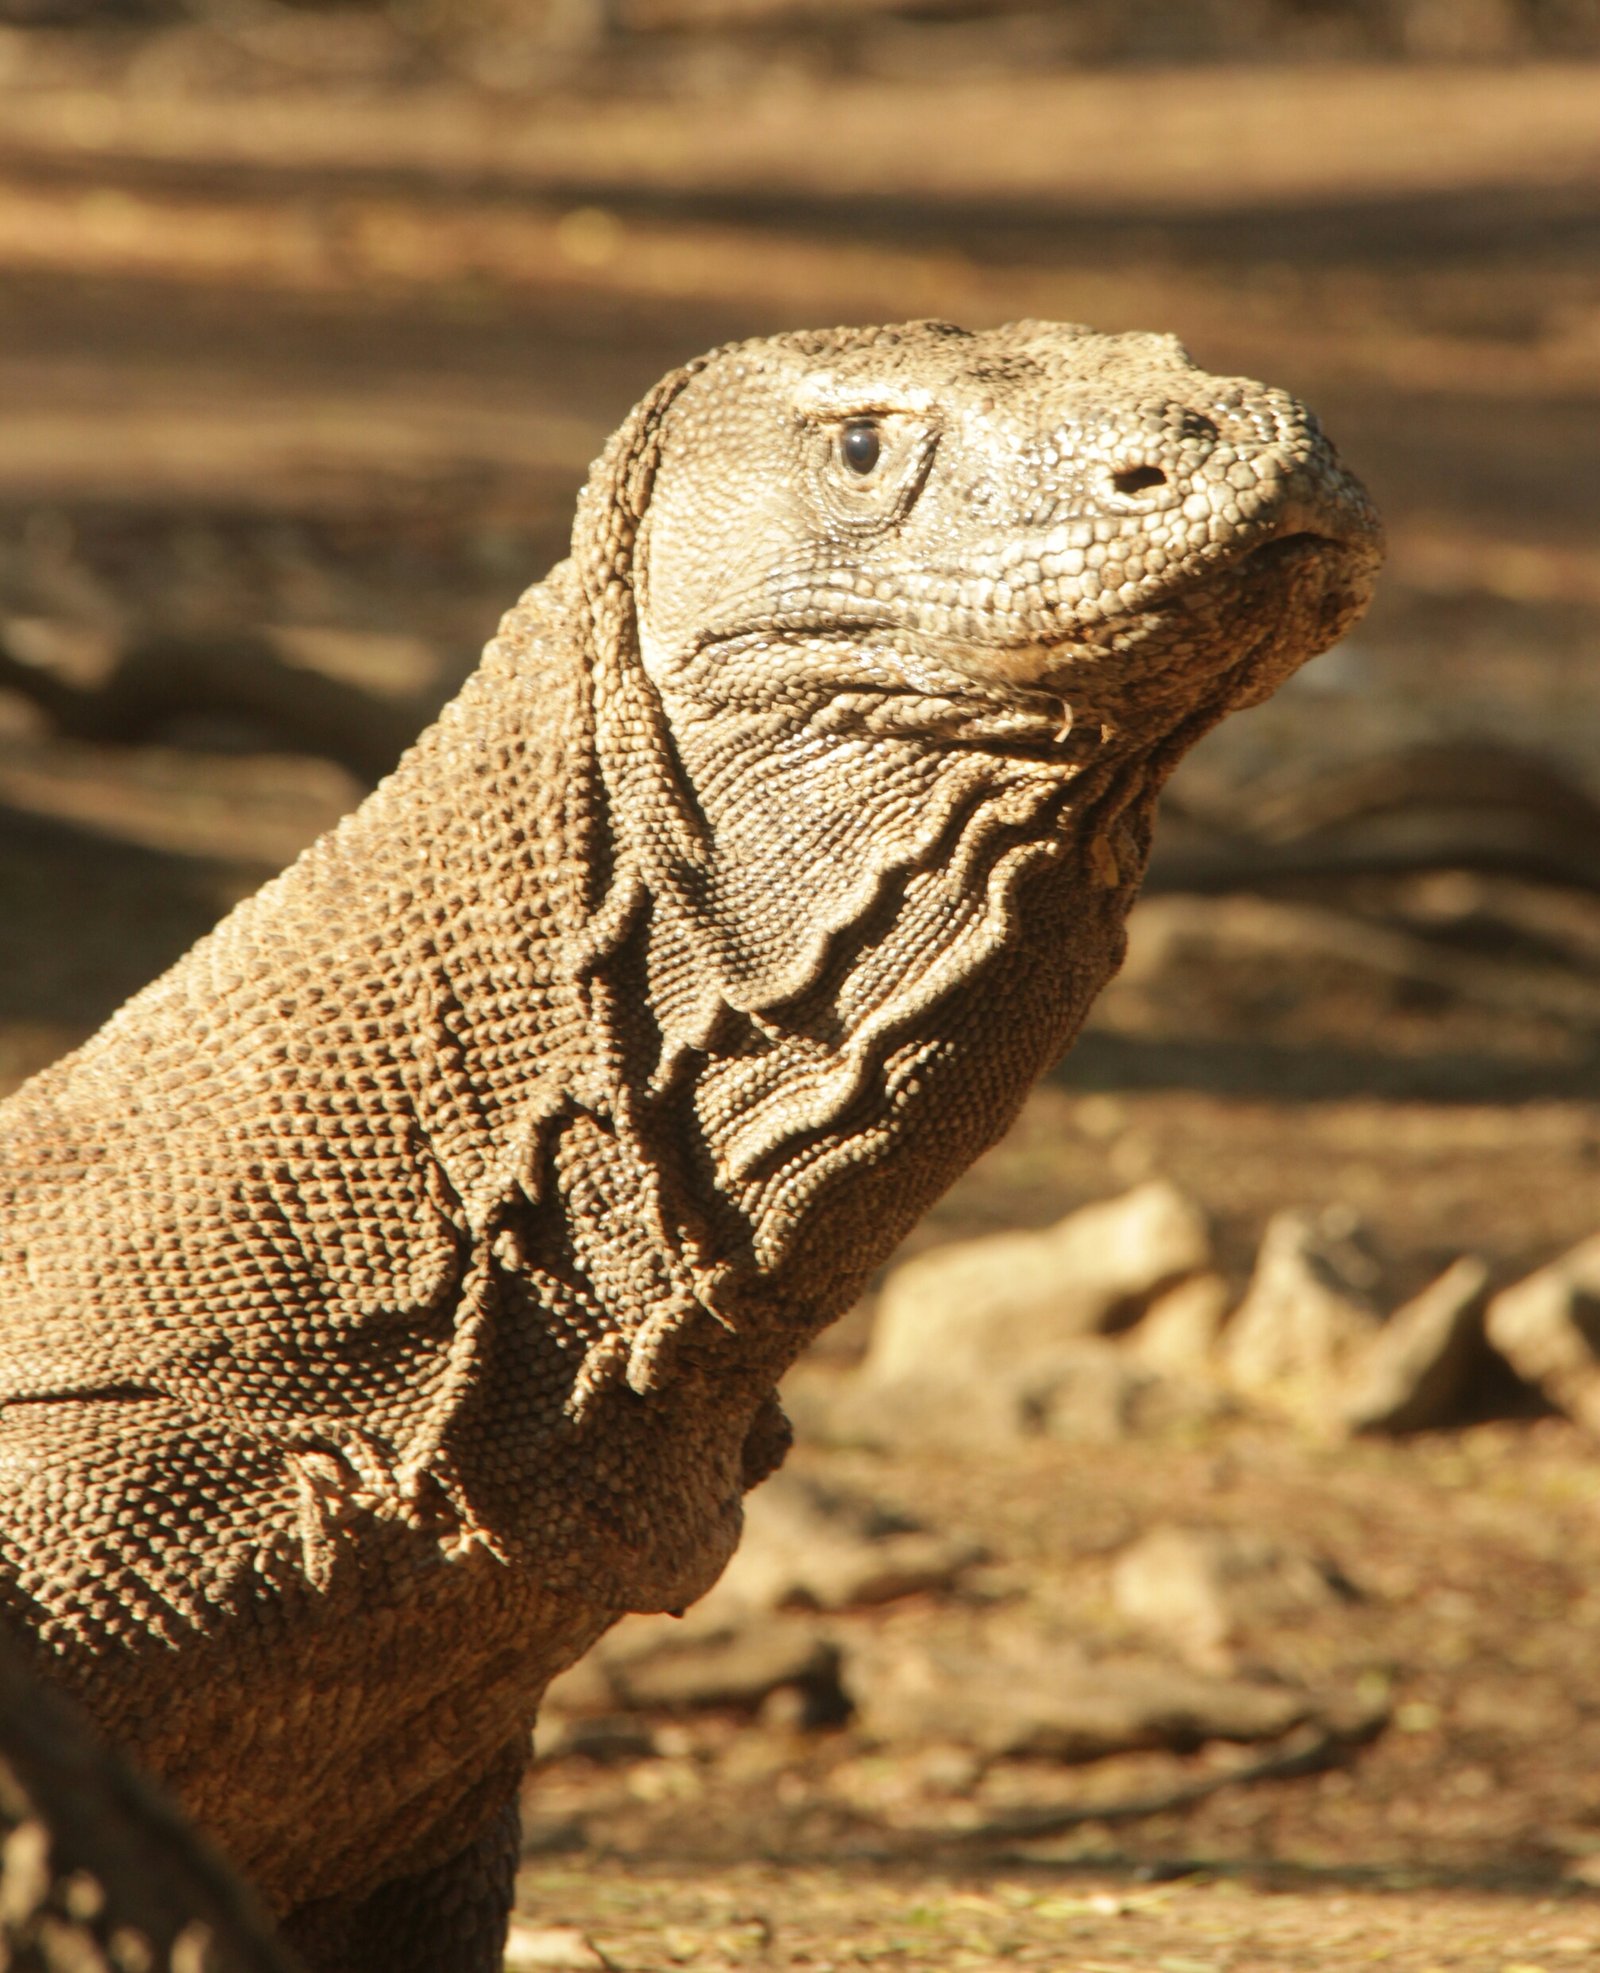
{"points": [[1318, 1749]]}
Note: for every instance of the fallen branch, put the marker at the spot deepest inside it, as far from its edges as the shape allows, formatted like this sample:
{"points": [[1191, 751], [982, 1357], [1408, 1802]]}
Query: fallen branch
{"points": [[1310, 1749]]}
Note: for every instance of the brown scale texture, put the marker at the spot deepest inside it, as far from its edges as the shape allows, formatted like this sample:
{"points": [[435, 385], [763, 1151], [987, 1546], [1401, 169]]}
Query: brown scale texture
{"points": [[395, 1292], [98, 1873]]}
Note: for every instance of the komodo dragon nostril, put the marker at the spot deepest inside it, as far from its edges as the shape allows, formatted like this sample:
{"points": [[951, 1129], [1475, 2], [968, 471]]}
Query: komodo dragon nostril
{"points": [[1138, 479]]}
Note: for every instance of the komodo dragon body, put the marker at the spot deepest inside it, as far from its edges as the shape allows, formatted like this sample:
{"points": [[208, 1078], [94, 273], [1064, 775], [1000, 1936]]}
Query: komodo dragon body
{"points": [[395, 1291], [98, 1873]]}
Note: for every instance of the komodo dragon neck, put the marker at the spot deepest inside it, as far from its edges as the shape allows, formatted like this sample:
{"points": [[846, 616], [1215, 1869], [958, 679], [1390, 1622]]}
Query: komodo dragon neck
{"points": [[473, 1084]]}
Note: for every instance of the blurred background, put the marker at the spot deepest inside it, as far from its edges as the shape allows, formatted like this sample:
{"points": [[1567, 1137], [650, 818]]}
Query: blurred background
{"points": [[1279, 1525]]}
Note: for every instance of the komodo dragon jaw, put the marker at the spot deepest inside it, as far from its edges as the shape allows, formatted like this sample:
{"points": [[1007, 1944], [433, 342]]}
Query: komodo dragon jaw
{"points": [[394, 1292]]}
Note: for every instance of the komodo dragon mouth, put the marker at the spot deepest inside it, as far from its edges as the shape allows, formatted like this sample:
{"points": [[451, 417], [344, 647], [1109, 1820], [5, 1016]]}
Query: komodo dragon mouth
{"points": [[1242, 620]]}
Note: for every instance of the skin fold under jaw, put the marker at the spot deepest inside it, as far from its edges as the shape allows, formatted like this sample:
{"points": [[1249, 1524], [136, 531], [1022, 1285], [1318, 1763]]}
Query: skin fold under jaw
{"points": [[395, 1293]]}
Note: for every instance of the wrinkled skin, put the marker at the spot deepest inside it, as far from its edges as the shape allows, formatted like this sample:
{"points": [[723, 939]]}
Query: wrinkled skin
{"points": [[395, 1292]]}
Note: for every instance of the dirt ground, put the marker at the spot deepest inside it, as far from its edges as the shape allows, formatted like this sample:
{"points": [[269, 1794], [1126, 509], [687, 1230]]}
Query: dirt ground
{"points": [[300, 366]]}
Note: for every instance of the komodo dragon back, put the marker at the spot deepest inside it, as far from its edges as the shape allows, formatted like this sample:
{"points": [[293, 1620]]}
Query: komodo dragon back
{"points": [[395, 1292]]}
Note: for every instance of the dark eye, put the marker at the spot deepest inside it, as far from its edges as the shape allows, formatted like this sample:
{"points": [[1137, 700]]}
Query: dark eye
{"points": [[861, 444]]}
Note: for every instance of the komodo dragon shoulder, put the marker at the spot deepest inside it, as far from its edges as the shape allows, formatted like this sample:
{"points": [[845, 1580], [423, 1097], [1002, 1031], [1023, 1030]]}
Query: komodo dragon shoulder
{"points": [[394, 1293]]}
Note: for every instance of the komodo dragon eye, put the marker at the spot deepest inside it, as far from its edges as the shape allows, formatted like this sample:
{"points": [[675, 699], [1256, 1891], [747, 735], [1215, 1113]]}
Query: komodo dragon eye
{"points": [[861, 444]]}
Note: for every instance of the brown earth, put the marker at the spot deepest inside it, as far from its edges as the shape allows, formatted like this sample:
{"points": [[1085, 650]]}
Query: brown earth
{"points": [[298, 373]]}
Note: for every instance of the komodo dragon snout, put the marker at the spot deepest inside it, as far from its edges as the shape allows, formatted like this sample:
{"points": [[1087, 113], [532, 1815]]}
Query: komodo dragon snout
{"points": [[395, 1292]]}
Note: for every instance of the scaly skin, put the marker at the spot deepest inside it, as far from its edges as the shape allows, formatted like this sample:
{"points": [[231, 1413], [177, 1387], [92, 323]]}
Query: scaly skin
{"points": [[395, 1291], [97, 1870]]}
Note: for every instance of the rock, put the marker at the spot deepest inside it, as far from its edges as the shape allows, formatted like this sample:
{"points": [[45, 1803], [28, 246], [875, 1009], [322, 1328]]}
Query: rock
{"points": [[928, 1410], [1412, 1375], [790, 1709], [606, 1739], [192, 805], [52, 658], [960, 1309], [394, 667], [530, 1946], [1087, 1390], [1093, 1393], [1307, 1313], [1038, 1698], [1087, 1393], [1178, 1334], [1547, 1327], [807, 1548], [1000, 1338], [306, 690], [659, 1663], [1199, 1588], [737, 1667]]}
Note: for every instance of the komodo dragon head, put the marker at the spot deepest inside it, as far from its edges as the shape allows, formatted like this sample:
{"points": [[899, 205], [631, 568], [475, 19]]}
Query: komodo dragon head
{"points": [[897, 634], [1030, 529]]}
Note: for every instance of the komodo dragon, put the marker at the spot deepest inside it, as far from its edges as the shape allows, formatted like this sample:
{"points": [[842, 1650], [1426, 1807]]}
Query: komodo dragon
{"points": [[395, 1291], [97, 1872]]}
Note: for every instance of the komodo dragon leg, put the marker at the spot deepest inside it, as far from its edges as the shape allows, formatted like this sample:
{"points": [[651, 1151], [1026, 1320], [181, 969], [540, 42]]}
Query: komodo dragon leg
{"points": [[451, 1919], [97, 1867]]}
